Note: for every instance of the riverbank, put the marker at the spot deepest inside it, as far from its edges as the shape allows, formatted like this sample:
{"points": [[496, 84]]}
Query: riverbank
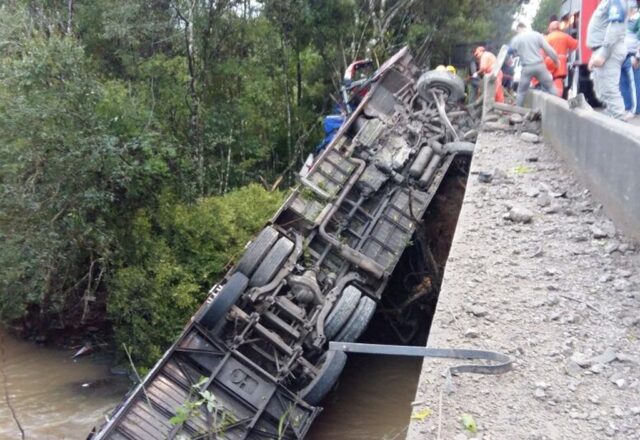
{"points": [[537, 271]]}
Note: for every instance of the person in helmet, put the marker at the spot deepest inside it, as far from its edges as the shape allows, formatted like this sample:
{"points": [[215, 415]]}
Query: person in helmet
{"points": [[486, 64], [443, 68], [562, 43]]}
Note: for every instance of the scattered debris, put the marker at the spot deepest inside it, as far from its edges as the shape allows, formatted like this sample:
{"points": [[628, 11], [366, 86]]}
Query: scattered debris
{"points": [[86, 349], [421, 414]]}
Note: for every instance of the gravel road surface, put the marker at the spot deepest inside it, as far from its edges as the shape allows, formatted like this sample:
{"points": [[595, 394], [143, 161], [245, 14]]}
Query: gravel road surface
{"points": [[539, 272]]}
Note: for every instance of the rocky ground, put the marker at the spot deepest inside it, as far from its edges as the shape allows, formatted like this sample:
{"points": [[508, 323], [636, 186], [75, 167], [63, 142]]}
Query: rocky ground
{"points": [[539, 272]]}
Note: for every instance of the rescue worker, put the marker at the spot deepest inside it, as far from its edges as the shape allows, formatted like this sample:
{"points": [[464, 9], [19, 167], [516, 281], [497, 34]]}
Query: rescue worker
{"points": [[562, 43], [530, 45], [507, 72], [486, 64], [605, 37], [474, 80]]}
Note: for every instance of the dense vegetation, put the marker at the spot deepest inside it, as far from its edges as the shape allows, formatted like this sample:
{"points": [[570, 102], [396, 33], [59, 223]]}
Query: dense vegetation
{"points": [[143, 142], [546, 10]]}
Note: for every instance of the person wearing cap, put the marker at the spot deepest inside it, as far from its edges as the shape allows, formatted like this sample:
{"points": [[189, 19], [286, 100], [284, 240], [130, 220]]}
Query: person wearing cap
{"points": [[486, 64], [605, 37], [630, 75], [530, 46], [562, 43]]}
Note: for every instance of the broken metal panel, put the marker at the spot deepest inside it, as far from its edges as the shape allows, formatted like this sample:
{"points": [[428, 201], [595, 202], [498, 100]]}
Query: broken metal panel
{"points": [[145, 423]]}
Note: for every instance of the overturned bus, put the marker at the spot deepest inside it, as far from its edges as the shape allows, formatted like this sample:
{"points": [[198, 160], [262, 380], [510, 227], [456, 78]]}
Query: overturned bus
{"points": [[253, 362]]}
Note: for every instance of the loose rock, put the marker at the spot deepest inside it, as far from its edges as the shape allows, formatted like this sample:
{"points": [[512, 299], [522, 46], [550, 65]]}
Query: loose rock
{"points": [[611, 247], [530, 137], [603, 230], [624, 357], [597, 232], [620, 383], [519, 214], [609, 355], [477, 310], [471, 333], [572, 368], [484, 177], [516, 118], [543, 199]]}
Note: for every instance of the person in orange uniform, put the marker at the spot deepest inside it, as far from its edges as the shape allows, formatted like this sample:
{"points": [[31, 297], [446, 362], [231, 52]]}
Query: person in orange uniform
{"points": [[562, 43], [487, 62]]}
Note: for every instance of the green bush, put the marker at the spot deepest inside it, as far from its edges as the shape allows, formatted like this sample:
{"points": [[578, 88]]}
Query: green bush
{"points": [[173, 257]]}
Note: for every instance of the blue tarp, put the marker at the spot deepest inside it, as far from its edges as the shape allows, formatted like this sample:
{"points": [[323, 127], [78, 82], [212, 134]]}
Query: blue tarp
{"points": [[331, 124]]}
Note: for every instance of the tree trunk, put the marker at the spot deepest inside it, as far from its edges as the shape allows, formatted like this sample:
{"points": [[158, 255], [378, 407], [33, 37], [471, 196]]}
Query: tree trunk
{"points": [[285, 71], [298, 77], [195, 129], [69, 16]]}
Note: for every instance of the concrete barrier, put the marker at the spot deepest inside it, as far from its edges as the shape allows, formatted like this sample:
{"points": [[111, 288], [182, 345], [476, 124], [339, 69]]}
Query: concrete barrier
{"points": [[603, 152]]}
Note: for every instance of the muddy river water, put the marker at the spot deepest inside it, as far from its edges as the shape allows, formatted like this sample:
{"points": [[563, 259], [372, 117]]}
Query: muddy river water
{"points": [[45, 389]]}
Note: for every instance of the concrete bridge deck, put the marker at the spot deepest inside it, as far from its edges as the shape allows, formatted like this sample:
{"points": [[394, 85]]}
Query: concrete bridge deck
{"points": [[538, 271]]}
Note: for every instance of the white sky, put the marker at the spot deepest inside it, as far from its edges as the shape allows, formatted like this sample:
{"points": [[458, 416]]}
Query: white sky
{"points": [[528, 12]]}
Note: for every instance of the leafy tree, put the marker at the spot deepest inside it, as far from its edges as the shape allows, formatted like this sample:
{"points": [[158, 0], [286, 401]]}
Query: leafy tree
{"points": [[132, 135], [75, 163], [546, 10]]}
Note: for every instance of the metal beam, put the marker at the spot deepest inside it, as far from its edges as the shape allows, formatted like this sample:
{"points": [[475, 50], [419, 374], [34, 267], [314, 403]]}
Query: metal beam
{"points": [[502, 366]]}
